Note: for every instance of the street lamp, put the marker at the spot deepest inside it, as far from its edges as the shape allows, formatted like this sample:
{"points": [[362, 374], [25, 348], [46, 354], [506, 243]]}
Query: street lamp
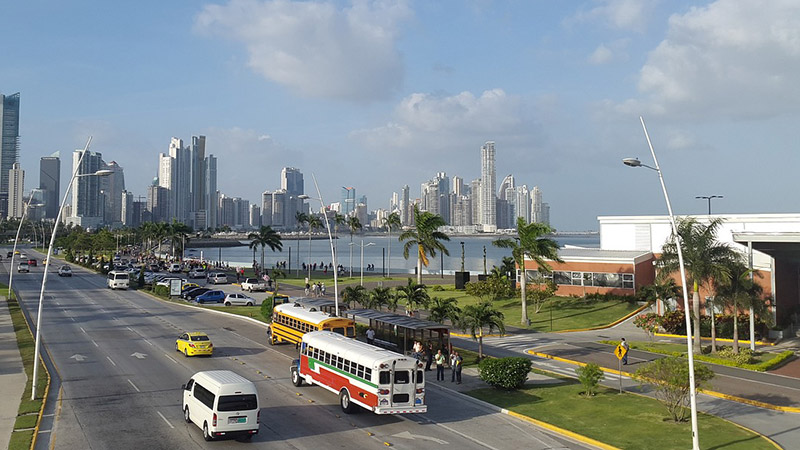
{"points": [[16, 239], [708, 197], [634, 162], [330, 239], [103, 172], [362, 245], [462, 256]]}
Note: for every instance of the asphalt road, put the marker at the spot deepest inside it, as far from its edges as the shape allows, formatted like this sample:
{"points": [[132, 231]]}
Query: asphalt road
{"points": [[120, 382]]}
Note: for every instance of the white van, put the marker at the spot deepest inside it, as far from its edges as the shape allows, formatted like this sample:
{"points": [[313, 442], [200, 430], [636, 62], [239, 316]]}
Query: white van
{"points": [[222, 403], [118, 279]]}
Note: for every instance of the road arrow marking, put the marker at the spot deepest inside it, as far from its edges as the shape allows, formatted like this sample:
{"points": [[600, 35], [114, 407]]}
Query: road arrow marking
{"points": [[139, 355], [408, 435], [77, 357]]}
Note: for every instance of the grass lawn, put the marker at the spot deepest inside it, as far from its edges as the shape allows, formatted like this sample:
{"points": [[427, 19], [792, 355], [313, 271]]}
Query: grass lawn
{"points": [[28, 409], [568, 313], [622, 420], [247, 311]]}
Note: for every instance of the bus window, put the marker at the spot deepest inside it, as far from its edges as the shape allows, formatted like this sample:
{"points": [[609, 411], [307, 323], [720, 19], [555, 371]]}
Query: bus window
{"points": [[351, 332], [401, 377], [385, 377], [420, 378], [339, 330]]}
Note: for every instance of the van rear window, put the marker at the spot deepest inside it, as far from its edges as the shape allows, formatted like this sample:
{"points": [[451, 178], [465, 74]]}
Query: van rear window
{"points": [[237, 402]]}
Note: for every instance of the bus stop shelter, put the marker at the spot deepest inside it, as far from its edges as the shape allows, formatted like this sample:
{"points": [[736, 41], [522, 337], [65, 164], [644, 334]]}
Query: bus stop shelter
{"points": [[397, 332]]}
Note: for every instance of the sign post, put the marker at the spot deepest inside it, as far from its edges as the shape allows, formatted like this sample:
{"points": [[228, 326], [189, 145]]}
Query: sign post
{"points": [[620, 351]]}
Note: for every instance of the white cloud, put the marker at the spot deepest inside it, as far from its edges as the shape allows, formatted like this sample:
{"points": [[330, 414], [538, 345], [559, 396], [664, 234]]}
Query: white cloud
{"points": [[315, 49], [729, 59], [601, 55], [620, 14]]}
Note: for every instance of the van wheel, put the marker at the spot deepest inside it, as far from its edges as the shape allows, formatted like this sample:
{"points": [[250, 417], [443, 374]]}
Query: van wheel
{"points": [[297, 380], [206, 435], [249, 304], [186, 415], [344, 400]]}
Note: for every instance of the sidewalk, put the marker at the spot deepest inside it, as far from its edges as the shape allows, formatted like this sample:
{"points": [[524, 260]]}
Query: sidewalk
{"points": [[12, 375]]}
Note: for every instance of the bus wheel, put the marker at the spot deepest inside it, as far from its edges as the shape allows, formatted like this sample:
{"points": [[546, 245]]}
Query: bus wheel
{"points": [[271, 337], [297, 380], [344, 401]]}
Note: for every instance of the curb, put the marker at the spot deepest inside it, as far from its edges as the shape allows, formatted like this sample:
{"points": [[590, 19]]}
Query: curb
{"points": [[741, 341], [789, 409]]}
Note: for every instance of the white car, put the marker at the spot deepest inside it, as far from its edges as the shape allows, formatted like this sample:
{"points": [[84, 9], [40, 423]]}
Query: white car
{"points": [[175, 268], [166, 281], [237, 299], [23, 267], [65, 271]]}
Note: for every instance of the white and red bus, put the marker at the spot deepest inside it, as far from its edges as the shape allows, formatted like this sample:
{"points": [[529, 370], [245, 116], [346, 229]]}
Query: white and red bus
{"points": [[376, 379]]}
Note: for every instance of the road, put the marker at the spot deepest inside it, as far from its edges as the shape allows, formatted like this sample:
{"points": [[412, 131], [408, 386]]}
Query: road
{"points": [[118, 382]]}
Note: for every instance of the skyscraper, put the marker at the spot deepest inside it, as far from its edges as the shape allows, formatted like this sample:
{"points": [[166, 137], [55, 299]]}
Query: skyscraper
{"points": [[197, 173], [292, 181], [348, 200], [87, 207], [16, 186], [9, 144], [50, 184], [166, 178], [405, 207], [488, 200], [112, 187], [211, 193], [181, 184]]}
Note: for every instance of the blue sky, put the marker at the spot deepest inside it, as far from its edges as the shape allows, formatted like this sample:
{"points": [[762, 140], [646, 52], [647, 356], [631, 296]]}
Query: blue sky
{"points": [[378, 94]]}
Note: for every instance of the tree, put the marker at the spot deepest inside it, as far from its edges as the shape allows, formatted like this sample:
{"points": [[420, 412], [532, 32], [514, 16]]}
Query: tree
{"points": [[354, 294], [704, 258], [740, 291], [266, 237], [670, 378], [414, 294], [590, 376], [474, 318], [545, 290], [531, 244], [277, 273], [441, 309], [379, 297], [178, 233], [426, 237], [354, 225], [392, 221], [661, 289]]}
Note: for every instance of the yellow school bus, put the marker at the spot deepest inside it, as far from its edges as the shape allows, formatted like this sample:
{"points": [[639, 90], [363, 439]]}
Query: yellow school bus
{"points": [[290, 321]]}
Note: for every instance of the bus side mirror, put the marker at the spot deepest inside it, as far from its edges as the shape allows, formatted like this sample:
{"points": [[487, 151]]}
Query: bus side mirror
{"points": [[183, 386]]}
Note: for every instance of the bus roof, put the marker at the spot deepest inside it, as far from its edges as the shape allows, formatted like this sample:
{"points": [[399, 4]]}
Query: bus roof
{"points": [[360, 352], [310, 315]]}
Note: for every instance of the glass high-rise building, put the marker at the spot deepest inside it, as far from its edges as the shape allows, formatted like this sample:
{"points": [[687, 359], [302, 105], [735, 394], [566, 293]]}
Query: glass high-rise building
{"points": [[87, 204], [488, 198], [348, 200], [9, 144], [50, 184]]}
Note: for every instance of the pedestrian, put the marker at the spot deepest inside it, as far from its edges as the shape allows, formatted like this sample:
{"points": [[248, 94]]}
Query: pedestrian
{"points": [[459, 365], [453, 356], [440, 359], [308, 287], [428, 356], [370, 336], [417, 350], [237, 275], [624, 345], [322, 289]]}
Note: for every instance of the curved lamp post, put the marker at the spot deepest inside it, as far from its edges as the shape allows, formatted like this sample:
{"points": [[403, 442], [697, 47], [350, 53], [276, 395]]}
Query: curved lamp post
{"points": [[634, 162], [362, 245], [330, 239], [75, 175], [16, 240]]}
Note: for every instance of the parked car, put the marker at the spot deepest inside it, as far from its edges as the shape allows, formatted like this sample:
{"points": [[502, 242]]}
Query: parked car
{"points": [[9, 254], [217, 278], [154, 268], [197, 272], [214, 296], [194, 343], [191, 294], [254, 285], [240, 300], [23, 267], [65, 271], [186, 287], [175, 268]]}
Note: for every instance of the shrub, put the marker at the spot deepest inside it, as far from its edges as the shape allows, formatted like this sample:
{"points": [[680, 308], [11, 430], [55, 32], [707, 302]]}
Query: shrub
{"points": [[437, 288], [505, 373], [745, 355], [266, 307], [673, 322], [648, 322], [161, 291], [590, 376], [670, 378]]}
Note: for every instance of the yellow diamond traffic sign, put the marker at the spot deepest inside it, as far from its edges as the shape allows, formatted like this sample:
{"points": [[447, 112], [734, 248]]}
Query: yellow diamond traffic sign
{"points": [[620, 351]]}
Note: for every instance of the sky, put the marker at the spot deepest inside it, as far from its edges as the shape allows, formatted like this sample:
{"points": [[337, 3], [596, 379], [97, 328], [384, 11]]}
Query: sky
{"points": [[380, 94]]}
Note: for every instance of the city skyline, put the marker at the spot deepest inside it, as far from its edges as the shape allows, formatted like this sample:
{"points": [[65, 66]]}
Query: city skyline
{"points": [[416, 88]]}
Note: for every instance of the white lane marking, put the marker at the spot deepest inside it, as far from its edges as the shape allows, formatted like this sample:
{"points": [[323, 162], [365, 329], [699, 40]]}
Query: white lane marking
{"points": [[73, 319], [84, 331], [171, 358], [111, 360], [114, 318], [149, 342], [134, 386], [48, 415], [131, 330], [165, 419], [95, 343], [45, 431]]}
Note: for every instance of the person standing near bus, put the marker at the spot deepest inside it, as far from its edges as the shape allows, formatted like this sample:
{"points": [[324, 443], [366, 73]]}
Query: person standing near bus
{"points": [[440, 365], [453, 356], [371, 336], [457, 370], [428, 356]]}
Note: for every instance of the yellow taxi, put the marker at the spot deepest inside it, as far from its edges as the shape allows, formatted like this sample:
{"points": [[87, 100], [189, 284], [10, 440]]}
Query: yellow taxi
{"points": [[194, 343], [186, 286]]}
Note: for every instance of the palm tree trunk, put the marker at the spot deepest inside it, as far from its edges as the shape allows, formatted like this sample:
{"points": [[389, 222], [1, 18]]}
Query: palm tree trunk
{"points": [[696, 311], [480, 345], [735, 326], [419, 269], [713, 329], [522, 286], [390, 252]]}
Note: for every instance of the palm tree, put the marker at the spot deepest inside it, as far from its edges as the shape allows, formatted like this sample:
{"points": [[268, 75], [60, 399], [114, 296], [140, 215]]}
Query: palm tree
{"points": [[475, 317], [265, 237], [739, 291], [338, 220], [313, 223], [530, 244], [392, 221], [277, 273], [426, 237], [379, 297], [704, 258], [442, 309], [354, 294], [414, 294], [178, 232], [353, 224]]}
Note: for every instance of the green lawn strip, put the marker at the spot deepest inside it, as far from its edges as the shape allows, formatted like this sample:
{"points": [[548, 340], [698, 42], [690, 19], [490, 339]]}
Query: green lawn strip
{"points": [[28, 411], [622, 420], [253, 312], [763, 360], [21, 440]]}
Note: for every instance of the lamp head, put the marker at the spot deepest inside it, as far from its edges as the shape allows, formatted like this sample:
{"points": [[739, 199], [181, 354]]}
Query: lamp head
{"points": [[303, 197], [633, 162], [103, 173]]}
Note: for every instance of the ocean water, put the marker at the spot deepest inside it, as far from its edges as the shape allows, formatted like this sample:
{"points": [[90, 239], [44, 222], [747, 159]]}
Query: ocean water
{"points": [[376, 252]]}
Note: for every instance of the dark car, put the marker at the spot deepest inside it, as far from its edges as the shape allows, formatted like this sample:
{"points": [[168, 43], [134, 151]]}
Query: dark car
{"points": [[211, 297], [191, 294], [32, 262], [9, 254]]}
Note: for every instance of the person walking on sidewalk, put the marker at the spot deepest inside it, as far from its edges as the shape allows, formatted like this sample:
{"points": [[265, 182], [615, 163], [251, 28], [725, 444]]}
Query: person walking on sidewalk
{"points": [[459, 364], [428, 356], [624, 345], [440, 359], [371, 336]]}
